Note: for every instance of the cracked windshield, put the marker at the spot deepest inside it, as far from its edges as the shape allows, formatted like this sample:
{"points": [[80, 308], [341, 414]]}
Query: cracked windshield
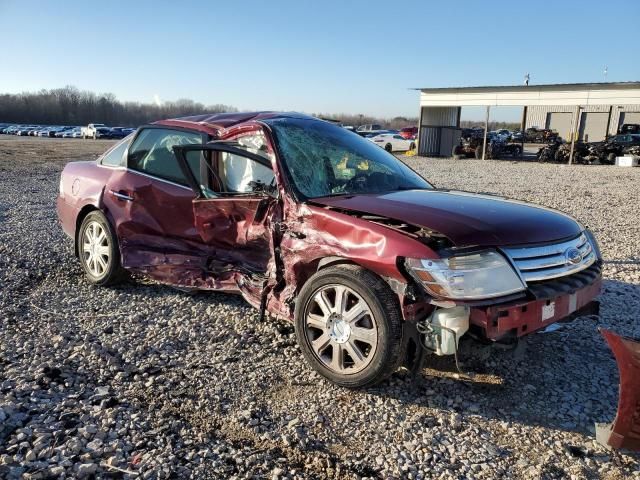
{"points": [[326, 160]]}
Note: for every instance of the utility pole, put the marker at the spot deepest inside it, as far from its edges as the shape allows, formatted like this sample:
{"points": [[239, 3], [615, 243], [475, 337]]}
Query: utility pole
{"points": [[486, 128]]}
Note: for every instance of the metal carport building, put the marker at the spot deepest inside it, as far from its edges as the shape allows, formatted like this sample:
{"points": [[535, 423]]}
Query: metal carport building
{"points": [[584, 111]]}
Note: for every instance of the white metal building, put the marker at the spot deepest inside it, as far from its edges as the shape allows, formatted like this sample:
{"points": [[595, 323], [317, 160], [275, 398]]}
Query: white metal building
{"points": [[584, 111]]}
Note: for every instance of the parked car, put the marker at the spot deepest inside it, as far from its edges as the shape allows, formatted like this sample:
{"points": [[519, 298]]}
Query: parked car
{"points": [[374, 265], [91, 130], [615, 146], [629, 128], [9, 129], [539, 135], [517, 136], [60, 133], [370, 127], [502, 134], [392, 142], [119, 132], [409, 132], [25, 131]]}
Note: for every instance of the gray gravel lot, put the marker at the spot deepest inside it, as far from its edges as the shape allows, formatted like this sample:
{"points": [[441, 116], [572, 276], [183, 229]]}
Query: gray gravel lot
{"points": [[143, 381]]}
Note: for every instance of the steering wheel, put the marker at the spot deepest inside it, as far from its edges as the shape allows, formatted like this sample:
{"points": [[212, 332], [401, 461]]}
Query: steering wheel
{"points": [[357, 183]]}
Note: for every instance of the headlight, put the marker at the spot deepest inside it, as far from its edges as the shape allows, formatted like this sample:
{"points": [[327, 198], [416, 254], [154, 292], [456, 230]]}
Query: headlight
{"points": [[594, 243], [467, 277]]}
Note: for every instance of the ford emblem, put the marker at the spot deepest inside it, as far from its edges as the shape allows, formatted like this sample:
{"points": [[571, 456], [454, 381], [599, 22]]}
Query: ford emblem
{"points": [[573, 256]]}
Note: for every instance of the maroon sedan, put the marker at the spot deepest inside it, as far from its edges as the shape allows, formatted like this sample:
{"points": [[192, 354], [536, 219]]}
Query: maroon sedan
{"points": [[375, 266]]}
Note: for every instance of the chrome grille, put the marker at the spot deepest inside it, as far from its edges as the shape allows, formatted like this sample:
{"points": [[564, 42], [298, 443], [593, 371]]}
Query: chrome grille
{"points": [[551, 261]]}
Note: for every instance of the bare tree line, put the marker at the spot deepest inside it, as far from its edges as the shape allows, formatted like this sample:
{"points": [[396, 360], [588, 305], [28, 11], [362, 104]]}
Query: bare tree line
{"points": [[356, 120], [71, 106]]}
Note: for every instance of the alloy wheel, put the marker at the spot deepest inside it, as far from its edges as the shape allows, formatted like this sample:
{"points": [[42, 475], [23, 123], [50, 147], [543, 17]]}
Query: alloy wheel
{"points": [[96, 251], [341, 329]]}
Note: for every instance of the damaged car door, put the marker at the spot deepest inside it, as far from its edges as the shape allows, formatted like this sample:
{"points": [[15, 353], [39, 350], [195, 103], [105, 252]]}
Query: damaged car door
{"points": [[150, 203], [235, 199]]}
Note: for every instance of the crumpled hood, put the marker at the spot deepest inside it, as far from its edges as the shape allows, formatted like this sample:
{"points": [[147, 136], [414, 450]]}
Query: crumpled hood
{"points": [[466, 219]]}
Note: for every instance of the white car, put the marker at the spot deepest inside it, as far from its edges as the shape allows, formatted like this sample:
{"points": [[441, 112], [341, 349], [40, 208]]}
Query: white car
{"points": [[393, 142], [91, 130]]}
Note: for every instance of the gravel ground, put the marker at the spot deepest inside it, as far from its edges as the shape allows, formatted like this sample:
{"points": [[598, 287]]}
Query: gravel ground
{"points": [[143, 381]]}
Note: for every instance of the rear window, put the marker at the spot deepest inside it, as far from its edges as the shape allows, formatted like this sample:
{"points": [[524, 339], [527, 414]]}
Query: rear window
{"points": [[152, 153]]}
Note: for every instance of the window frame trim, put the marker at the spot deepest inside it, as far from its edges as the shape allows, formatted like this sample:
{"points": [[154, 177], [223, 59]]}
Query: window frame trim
{"points": [[218, 146]]}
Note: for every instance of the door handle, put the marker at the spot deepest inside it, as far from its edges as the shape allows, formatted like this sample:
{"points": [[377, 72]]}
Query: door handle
{"points": [[121, 195]]}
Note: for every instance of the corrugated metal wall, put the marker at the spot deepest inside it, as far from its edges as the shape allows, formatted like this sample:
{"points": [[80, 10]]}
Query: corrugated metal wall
{"points": [[432, 121], [440, 116], [537, 116]]}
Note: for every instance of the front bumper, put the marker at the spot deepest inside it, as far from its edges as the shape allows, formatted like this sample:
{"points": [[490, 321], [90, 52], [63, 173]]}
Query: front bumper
{"points": [[521, 317]]}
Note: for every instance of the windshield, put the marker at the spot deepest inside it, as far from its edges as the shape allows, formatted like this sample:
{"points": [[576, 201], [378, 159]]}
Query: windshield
{"points": [[325, 160]]}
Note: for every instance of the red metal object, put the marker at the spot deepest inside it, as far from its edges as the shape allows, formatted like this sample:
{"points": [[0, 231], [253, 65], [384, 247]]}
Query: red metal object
{"points": [[522, 317], [465, 219], [624, 432]]}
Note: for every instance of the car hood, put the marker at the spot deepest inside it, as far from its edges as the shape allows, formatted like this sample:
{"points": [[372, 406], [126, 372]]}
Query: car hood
{"points": [[466, 219]]}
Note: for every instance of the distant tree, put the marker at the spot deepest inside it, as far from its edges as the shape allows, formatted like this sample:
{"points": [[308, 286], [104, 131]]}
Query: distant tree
{"points": [[71, 106], [359, 119]]}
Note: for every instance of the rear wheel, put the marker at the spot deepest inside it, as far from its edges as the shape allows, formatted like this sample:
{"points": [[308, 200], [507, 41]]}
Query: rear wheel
{"points": [[478, 152], [388, 147], [412, 146], [98, 250], [349, 327], [611, 158]]}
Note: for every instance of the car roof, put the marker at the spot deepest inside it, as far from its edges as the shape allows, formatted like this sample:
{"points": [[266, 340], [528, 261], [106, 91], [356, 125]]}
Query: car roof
{"points": [[216, 123]]}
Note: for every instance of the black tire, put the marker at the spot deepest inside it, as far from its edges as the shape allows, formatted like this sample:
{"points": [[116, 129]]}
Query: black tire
{"points": [[478, 152], [517, 152], [388, 148], [385, 312], [611, 158], [412, 146], [113, 273]]}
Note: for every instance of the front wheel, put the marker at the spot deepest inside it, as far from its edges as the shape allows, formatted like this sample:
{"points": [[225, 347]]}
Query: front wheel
{"points": [[98, 250], [388, 147], [349, 327]]}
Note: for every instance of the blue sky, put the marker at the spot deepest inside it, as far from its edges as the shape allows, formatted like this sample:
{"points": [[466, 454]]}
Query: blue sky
{"points": [[312, 56]]}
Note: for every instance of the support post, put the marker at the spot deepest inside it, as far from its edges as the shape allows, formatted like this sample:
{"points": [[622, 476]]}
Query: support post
{"points": [[606, 134], [484, 140], [576, 115], [522, 128], [418, 151]]}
